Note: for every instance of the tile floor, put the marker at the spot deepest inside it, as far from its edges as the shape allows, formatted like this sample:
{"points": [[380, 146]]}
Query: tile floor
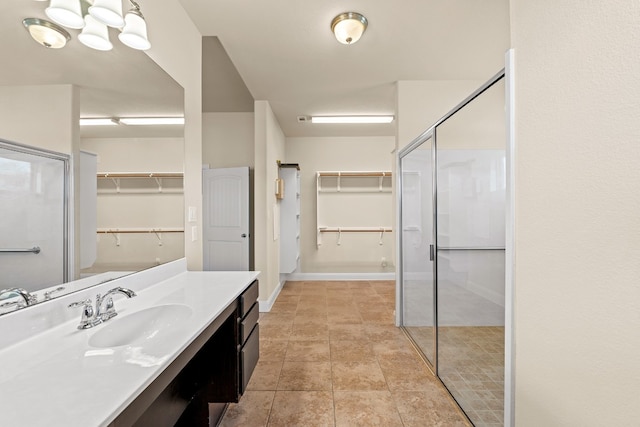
{"points": [[472, 367], [330, 355]]}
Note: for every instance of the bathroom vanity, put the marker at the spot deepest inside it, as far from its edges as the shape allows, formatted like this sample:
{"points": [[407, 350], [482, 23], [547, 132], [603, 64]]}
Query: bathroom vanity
{"points": [[176, 354]]}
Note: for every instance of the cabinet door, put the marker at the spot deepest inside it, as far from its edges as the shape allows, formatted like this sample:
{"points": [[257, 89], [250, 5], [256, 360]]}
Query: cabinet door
{"points": [[249, 358]]}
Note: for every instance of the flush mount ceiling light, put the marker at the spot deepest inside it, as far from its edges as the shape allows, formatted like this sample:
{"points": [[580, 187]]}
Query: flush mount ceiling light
{"points": [[348, 27], [46, 33], [352, 119], [94, 17]]}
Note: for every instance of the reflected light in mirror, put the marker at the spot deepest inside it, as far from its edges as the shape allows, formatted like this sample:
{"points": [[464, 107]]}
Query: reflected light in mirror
{"points": [[351, 119], [143, 121], [98, 122], [46, 33]]}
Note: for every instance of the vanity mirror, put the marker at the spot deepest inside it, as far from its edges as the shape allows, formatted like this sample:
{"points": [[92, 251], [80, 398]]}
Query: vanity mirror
{"points": [[137, 176]]}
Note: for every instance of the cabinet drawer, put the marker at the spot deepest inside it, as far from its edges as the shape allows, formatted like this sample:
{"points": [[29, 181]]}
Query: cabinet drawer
{"points": [[247, 298], [249, 357], [250, 320]]}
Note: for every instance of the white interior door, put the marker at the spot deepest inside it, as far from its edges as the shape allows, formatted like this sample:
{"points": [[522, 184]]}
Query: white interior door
{"points": [[226, 219]]}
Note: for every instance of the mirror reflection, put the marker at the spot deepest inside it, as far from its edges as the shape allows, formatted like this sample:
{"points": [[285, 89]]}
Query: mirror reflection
{"points": [[124, 196]]}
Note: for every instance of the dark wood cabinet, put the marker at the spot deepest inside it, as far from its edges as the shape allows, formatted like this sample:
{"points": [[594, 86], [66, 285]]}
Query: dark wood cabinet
{"points": [[249, 334], [210, 373]]}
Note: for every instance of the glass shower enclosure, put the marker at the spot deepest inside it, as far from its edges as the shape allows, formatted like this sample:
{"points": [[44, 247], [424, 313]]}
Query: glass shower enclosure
{"points": [[452, 190], [34, 231]]}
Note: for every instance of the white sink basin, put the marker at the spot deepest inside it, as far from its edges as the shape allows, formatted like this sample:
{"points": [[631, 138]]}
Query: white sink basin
{"points": [[144, 326]]}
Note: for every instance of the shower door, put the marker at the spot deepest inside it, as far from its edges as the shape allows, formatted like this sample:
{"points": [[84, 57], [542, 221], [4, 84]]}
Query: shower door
{"points": [[34, 217], [470, 249], [418, 307], [452, 250]]}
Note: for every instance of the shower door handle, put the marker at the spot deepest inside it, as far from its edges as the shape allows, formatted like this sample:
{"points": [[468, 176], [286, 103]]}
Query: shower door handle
{"points": [[432, 254]]}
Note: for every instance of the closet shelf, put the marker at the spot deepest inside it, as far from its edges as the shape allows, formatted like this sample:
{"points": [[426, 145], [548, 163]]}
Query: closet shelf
{"points": [[158, 177], [140, 175], [158, 232], [139, 230], [353, 174], [340, 230]]}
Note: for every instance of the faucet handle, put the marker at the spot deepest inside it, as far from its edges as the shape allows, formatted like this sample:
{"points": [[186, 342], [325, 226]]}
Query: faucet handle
{"points": [[88, 320]]}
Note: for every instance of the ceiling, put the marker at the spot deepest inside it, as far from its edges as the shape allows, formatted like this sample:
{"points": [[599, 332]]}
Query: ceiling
{"points": [[281, 51], [286, 54]]}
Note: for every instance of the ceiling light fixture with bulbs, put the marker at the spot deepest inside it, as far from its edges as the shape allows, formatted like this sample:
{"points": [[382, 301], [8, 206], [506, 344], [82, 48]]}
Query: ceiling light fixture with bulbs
{"points": [[93, 17], [348, 27]]}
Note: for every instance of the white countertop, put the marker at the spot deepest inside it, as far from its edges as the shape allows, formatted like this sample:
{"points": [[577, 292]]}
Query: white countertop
{"points": [[57, 379]]}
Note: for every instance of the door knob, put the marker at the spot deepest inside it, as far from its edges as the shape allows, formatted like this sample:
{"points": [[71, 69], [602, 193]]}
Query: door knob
{"points": [[243, 235]]}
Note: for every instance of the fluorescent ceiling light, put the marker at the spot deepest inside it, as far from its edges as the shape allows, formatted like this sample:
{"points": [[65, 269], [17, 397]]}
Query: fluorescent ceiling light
{"points": [[140, 121], [98, 122], [351, 119]]}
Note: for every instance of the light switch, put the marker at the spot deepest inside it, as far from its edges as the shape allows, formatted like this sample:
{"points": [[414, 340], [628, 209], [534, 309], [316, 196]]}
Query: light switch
{"points": [[194, 233], [192, 214]]}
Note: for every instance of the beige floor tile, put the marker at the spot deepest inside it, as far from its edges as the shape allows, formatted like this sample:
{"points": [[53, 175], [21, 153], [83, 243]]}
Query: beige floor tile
{"points": [[276, 332], [302, 409], [305, 376], [366, 409], [308, 351], [331, 355], [252, 410], [277, 319], [265, 376], [273, 350], [347, 331], [284, 306], [351, 351], [345, 317], [309, 333], [384, 332], [393, 348], [428, 409], [384, 317], [357, 376], [409, 380]]}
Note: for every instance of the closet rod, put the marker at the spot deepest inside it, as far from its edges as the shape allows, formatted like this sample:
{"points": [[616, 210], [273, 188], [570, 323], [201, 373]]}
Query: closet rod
{"points": [[140, 231], [141, 175], [354, 230], [355, 174]]}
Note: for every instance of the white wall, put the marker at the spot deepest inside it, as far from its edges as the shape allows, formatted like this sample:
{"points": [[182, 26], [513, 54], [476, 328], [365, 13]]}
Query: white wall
{"points": [[228, 140], [577, 292], [422, 103], [269, 148], [177, 48], [358, 252]]}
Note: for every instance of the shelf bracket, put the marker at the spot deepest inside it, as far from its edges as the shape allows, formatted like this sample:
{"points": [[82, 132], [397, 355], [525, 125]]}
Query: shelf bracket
{"points": [[159, 182], [116, 236], [339, 236], [158, 236], [116, 182], [381, 236], [338, 186]]}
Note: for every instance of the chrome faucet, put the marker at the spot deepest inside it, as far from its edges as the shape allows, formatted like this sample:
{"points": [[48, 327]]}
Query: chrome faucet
{"points": [[104, 310], [29, 298], [104, 304]]}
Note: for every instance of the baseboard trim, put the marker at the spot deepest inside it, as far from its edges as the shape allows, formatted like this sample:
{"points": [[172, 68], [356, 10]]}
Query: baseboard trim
{"points": [[341, 276], [265, 306]]}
